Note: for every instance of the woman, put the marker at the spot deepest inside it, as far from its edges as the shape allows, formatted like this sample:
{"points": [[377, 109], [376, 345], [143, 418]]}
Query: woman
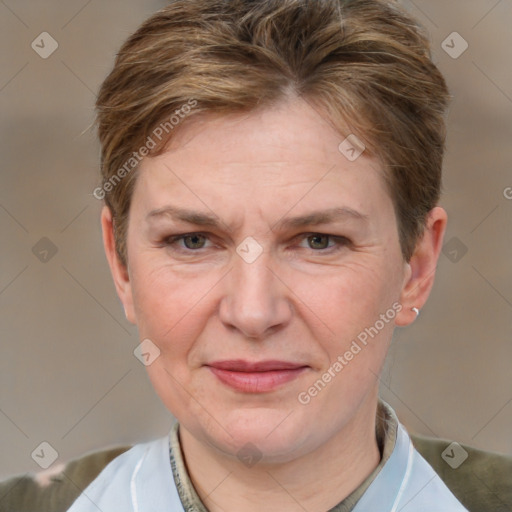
{"points": [[271, 175]]}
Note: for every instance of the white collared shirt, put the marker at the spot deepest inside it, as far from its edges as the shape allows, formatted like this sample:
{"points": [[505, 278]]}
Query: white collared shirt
{"points": [[142, 480]]}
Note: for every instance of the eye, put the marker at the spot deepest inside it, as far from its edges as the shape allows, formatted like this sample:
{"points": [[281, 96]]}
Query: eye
{"points": [[194, 241], [320, 242], [191, 241]]}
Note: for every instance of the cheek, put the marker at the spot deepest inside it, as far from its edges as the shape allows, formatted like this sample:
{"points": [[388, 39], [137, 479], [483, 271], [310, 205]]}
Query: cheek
{"points": [[350, 296], [169, 306], [355, 308], [356, 305], [170, 312]]}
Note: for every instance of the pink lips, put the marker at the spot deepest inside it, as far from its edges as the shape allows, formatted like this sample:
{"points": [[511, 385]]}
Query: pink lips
{"points": [[257, 377]]}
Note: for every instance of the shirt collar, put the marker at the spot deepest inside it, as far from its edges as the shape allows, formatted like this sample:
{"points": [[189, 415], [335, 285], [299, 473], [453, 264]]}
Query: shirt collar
{"points": [[386, 433]]}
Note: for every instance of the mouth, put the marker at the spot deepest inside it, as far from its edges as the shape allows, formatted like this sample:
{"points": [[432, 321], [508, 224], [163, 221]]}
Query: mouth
{"points": [[256, 377]]}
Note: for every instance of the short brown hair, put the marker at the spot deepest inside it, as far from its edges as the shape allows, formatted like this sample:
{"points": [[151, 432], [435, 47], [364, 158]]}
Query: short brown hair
{"points": [[365, 63]]}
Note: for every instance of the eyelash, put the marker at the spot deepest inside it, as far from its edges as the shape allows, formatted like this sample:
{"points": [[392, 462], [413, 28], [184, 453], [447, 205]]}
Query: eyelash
{"points": [[340, 242]]}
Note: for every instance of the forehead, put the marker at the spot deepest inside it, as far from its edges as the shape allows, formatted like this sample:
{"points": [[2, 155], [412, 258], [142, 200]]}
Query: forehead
{"points": [[268, 160], [290, 131]]}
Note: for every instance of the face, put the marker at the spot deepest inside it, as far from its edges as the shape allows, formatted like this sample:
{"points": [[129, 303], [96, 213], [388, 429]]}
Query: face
{"points": [[258, 254]]}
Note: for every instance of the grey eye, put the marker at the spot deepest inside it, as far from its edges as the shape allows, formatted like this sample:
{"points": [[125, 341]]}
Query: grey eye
{"points": [[194, 241], [318, 241]]}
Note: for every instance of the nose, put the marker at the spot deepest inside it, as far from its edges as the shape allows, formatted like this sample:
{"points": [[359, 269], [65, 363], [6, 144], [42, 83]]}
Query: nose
{"points": [[256, 301]]}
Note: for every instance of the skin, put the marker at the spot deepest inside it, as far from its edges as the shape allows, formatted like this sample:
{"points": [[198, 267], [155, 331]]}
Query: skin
{"points": [[300, 301]]}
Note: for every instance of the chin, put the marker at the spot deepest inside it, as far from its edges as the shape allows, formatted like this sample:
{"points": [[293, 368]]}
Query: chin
{"points": [[274, 435]]}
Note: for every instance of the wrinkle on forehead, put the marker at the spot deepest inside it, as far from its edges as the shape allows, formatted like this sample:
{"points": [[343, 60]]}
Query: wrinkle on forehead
{"points": [[261, 167]]}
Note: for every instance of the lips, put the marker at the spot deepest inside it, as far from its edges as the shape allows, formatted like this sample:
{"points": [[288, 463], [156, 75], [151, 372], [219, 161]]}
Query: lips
{"points": [[256, 377], [239, 365]]}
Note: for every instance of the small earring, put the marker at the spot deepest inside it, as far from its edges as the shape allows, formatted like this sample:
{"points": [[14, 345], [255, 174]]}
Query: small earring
{"points": [[417, 311]]}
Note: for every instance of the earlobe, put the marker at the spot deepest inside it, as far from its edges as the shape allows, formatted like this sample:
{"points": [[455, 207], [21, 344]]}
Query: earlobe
{"points": [[421, 269], [119, 271]]}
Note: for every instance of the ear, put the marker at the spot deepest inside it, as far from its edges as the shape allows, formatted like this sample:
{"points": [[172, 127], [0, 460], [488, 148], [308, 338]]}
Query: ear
{"points": [[117, 268], [421, 269]]}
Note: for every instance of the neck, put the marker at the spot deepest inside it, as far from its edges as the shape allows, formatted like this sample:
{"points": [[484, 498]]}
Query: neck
{"points": [[318, 480]]}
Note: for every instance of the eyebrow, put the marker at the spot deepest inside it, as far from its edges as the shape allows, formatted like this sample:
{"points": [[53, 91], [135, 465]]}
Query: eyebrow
{"points": [[317, 217], [190, 216], [328, 216]]}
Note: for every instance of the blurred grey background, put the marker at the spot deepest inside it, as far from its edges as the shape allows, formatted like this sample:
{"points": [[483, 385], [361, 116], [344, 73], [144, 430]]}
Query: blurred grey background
{"points": [[68, 375]]}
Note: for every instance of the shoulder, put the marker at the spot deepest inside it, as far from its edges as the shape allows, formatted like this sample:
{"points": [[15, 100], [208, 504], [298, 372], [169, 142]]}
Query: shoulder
{"points": [[55, 489], [480, 480], [483, 481]]}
